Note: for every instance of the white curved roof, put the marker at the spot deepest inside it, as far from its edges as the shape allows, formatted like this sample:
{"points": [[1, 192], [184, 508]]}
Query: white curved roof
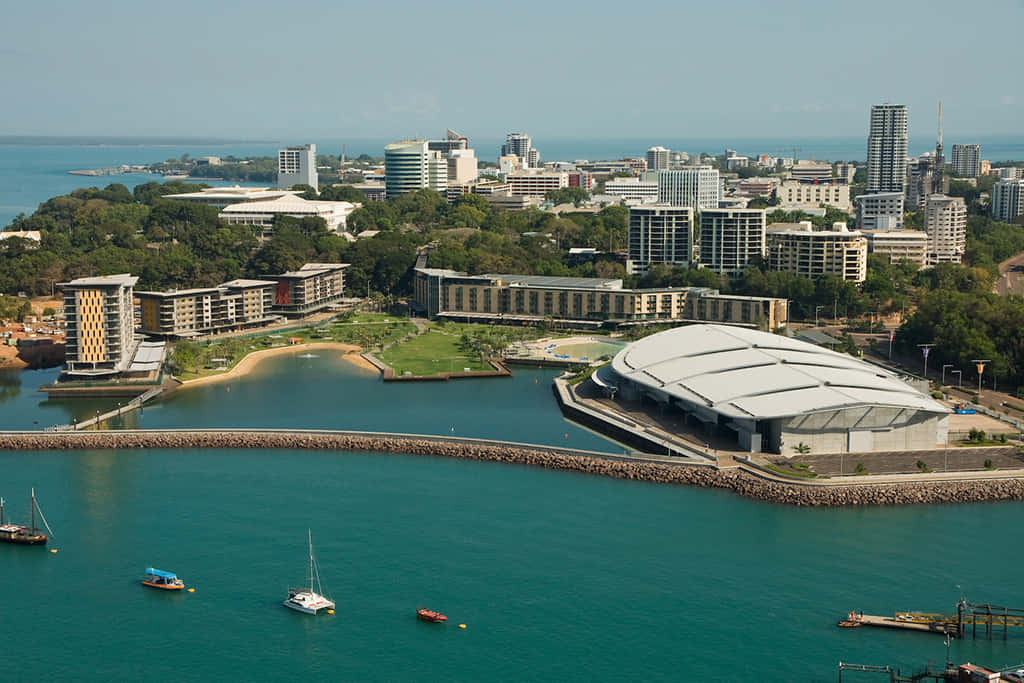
{"points": [[749, 374]]}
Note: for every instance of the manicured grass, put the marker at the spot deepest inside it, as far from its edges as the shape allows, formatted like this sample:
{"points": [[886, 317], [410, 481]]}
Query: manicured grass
{"points": [[787, 472], [431, 353]]}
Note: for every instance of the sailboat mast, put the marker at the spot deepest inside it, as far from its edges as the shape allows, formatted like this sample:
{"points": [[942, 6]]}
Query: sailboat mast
{"points": [[1, 511], [33, 511], [310, 532]]}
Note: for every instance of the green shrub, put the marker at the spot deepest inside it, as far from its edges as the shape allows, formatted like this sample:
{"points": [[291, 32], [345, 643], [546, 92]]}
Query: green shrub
{"points": [[988, 463], [861, 469]]}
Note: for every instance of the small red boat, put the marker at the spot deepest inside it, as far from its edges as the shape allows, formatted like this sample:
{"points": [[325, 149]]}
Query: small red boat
{"points": [[431, 616]]}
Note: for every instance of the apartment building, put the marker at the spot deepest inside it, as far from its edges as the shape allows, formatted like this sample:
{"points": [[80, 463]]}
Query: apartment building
{"points": [[659, 234], [897, 245], [297, 166], [583, 302], [945, 222], [798, 248], [657, 158], [1008, 199], [100, 316], [632, 189], [882, 211], [310, 288], [731, 239], [967, 160], [535, 183], [887, 148], [697, 187], [234, 305], [795, 195]]}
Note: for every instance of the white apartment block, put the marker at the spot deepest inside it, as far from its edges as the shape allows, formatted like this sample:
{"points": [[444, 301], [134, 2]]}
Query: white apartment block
{"points": [[657, 159], [967, 161], [411, 165], [297, 166], [794, 195], [845, 171], [698, 187], [659, 234], [632, 189], [731, 239], [887, 148], [809, 171], [533, 183], [1008, 199], [945, 222], [802, 250], [897, 245], [883, 211]]}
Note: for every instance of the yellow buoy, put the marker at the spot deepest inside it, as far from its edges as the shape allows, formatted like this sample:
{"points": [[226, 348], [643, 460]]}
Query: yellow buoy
{"points": [[191, 590], [53, 550], [330, 611], [462, 626]]}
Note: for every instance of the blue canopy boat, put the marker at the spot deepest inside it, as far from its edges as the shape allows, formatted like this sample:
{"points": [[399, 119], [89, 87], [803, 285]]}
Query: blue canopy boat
{"points": [[157, 578]]}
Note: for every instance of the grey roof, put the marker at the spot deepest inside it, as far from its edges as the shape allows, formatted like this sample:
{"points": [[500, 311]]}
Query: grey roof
{"points": [[817, 337], [554, 281], [744, 373], [121, 280], [148, 356], [248, 283]]}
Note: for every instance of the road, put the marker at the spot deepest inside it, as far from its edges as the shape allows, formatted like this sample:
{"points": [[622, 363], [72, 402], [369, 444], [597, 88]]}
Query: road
{"points": [[1011, 276]]}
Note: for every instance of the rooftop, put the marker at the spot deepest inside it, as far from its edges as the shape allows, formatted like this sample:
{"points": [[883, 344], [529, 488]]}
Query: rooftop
{"points": [[120, 280], [290, 204]]}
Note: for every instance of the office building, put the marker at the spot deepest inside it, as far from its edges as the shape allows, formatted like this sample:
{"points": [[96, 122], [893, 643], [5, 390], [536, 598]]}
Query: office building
{"points": [[310, 288], [657, 159], [410, 165], [757, 187], [452, 142], [100, 316], [898, 245], [887, 148], [659, 234], [297, 166], [698, 187], [1008, 199], [632, 189], [520, 145], [731, 239], [462, 167], [262, 214], [795, 195], [845, 171], [811, 172], [802, 250], [583, 302], [232, 306], [882, 211], [945, 222], [536, 183], [967, 161]]}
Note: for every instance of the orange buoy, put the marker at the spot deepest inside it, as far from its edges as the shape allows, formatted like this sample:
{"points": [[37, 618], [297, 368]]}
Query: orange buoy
{"points": [[227, 389]]}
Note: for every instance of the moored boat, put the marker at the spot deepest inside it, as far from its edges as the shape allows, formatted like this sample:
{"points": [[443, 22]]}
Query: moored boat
{"points": [[305, 599], [433, 617], [24, 535], [157, 578]]}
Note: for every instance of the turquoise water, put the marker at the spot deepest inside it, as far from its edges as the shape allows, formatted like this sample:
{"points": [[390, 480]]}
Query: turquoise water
{"points": [[556, 575]]}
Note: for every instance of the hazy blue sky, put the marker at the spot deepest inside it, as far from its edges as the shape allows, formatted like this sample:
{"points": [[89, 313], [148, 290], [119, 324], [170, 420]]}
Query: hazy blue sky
{"points": [[338, 69]]}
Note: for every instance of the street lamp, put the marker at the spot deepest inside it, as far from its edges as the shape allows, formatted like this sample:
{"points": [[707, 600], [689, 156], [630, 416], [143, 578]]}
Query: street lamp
{"points": [[816, 309], [980, 365], [959, 376], [947, 365], [925, 348]]}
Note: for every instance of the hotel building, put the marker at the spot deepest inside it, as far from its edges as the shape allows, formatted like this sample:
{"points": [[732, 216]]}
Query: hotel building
{"points": [[100, 317], [659, 233], [234, 305], [731, 239], [297, 166], [945, 222], [583, 302], [802, 250], [308, 289]]}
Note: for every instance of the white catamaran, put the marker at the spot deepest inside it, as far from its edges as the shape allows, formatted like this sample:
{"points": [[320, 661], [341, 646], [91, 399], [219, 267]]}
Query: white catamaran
{"points": [[306, 599]]}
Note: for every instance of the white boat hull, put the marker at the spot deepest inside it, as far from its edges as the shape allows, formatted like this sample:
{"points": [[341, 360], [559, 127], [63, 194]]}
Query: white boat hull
{"points": [[308, 603]]}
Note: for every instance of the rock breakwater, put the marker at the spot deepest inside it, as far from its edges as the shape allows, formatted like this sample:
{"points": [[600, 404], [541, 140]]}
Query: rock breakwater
{"points": [[736, 480]]}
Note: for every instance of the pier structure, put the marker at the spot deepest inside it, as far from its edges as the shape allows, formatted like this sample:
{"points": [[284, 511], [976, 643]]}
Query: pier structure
{"points": [[994, 621]]}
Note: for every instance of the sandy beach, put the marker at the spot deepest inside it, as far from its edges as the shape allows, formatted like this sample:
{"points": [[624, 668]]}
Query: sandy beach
{"points": [[246, 365]]}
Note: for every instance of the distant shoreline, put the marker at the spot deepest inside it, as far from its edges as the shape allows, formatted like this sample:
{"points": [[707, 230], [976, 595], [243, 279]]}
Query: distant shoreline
{"points": [[251, 360]]}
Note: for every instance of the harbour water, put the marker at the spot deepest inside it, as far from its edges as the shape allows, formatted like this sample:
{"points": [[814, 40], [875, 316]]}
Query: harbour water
{"points": [[557, 576]]}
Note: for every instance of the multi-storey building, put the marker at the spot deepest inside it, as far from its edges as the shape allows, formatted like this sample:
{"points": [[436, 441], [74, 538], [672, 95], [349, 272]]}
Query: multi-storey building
{"points": [[411, 165], [534, 183], [757, 187], [297, 166], [263, 213], [802, 250], [887, 148], [795, 195], [462, 167], [945, 222], [731, 239], [1008, 199], [967, 161], [234, 305], [632, 189], [898, 245], [452, 142], [308, 289], [882, 211], [520, 145], [100, 317], [845, 171], [583, 302], [657, 158], [1011, 172], [659, 234], [811, 171], [698, 187], [219, 197]]}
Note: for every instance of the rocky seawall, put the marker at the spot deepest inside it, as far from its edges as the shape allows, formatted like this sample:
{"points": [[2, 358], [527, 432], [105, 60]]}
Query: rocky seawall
{"points": [[735, 480]]}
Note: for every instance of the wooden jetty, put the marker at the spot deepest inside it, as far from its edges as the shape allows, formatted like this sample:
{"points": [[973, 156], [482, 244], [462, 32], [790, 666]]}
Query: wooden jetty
{"points": [[993, 620]]}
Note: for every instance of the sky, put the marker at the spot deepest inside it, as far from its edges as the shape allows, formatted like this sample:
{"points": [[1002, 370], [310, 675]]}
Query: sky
{"points": [[391, 69]]}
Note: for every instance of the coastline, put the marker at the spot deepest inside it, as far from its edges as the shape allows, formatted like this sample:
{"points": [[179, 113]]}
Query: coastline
{"points": [[352, 354]]}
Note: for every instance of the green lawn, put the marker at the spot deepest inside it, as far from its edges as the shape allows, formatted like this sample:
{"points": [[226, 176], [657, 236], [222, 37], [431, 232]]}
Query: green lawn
{"points": [[431, 353]]}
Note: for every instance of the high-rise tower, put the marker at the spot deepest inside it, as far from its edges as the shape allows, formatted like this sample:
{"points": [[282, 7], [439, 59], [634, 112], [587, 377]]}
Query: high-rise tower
{"points": [[887, 148]]}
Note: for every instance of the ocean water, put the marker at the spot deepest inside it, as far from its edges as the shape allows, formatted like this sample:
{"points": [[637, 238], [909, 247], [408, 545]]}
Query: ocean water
{"points": [[557, 576], [34, 169]]}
